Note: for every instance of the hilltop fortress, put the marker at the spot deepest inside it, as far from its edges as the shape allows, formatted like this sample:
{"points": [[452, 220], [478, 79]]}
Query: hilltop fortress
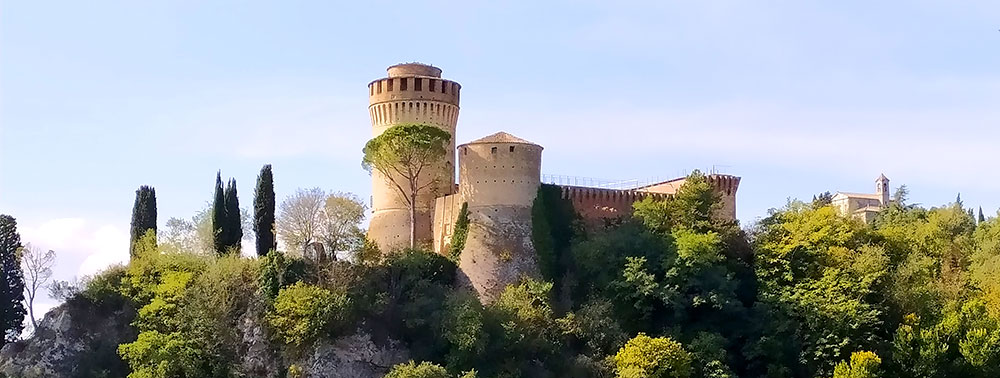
{"points": [[498, 178]]}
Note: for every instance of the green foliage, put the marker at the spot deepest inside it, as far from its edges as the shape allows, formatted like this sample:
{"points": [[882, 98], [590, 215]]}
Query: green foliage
{"points": [[166, 355], [275, 271], [219, 218], [863, 364], [423, 370], [303, 313], [188, 310], [464, 328], [105, 289], [263, 211], [143, 215], [541, 237], [400, 154], [12, 309], [527, 317], [233, 226], [460, 233], [648, 357], [554, 225]]}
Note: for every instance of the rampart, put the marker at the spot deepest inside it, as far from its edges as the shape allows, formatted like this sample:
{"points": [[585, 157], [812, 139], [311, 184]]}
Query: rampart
{"points": [[598, 206]]}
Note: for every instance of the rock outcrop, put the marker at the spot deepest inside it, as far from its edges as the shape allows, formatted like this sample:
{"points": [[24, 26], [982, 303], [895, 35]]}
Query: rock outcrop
{"points": [[75, 339]]}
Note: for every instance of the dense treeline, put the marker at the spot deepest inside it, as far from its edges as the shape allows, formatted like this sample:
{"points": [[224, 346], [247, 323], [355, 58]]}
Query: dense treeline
{"points": [[671, 292]]}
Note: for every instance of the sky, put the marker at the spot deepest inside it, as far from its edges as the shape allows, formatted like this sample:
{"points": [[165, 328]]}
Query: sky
{"points": [[797, 98]]}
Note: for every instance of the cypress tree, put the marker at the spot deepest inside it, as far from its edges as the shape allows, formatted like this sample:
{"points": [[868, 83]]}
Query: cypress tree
{"points": [[143, 215], [219, 217], [981, 217], [263, 211], [12, 286], [233, 228]]}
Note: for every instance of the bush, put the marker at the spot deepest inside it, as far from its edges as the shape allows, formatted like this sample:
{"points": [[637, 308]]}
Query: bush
{"points": [[155, 355], [647, 357], [302, 313], [412, 370], [104, 289]]}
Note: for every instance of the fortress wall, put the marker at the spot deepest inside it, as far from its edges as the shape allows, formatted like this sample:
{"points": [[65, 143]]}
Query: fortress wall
{"points": [[498, 251], [446, 211], [597, 205]]}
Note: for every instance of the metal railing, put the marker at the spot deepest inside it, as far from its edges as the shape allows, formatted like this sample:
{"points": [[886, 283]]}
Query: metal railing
{"points": [[592, 182]]}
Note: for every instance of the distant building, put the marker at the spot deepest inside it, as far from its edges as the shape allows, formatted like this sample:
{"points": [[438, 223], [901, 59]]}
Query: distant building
{"points": [[863, 206]]}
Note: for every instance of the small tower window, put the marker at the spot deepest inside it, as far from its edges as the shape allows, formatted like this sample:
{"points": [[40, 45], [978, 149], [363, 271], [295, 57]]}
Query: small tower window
{"points": [[418, 84], [511, 148], [380, 86], [389, 83], [465, 151], [493, 150], [402, 83]]}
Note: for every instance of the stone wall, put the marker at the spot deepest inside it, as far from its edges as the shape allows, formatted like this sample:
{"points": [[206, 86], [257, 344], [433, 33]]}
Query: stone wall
{"points": [[598, 206], [499, 181]]}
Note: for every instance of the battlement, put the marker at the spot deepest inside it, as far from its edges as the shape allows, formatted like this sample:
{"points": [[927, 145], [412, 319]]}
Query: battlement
{"points": [[598, 205], [414, 88]]}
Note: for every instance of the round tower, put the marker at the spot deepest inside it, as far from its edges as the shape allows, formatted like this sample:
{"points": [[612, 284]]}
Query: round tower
{"points": [[499, 176], [411, 93]]}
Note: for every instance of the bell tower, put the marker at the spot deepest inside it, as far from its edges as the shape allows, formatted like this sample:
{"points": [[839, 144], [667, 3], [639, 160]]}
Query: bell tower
{"points": [[411, 93], [882, 189]]}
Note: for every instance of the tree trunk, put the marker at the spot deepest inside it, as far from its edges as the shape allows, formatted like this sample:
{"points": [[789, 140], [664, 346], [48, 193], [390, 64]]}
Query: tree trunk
{"points": [[31, 311], [413, 218]]}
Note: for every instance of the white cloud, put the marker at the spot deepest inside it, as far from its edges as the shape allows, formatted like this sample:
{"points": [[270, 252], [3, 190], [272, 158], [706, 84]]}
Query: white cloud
{"points": [[83, 246]]}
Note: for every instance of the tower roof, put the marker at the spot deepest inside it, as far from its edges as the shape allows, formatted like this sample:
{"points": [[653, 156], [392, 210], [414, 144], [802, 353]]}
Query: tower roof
{"points": [[882, 177], [413, 69], [500, 137]]}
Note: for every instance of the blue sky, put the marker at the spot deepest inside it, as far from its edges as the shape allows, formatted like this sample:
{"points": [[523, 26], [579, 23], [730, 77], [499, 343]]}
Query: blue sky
{"points": [[796, 97]]}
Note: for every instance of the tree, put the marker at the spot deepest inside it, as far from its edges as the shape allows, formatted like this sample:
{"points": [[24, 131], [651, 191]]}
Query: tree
{"points": [[822, 199], [412, 370], [981, 217], [648, 357], [37, 272], [401, 154], [263, 211], [12, 287], [219, 217], [862, 365], [339, 222], [233, 228], [299, 218], [143, 214]]}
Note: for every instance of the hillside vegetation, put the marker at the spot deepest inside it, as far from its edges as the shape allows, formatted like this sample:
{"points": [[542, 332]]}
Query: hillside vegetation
{"points": [[670, 292]]}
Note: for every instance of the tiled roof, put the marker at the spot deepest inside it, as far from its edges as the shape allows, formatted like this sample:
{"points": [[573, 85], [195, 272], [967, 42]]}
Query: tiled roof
{"points": [[860, 195], [500, 137]]}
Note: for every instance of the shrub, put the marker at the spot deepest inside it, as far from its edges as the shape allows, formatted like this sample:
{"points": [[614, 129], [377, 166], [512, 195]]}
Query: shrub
{"points": [[104, 289], [156, 355], [412, 370], [461, 233], [302, 313], [648, 357]]}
